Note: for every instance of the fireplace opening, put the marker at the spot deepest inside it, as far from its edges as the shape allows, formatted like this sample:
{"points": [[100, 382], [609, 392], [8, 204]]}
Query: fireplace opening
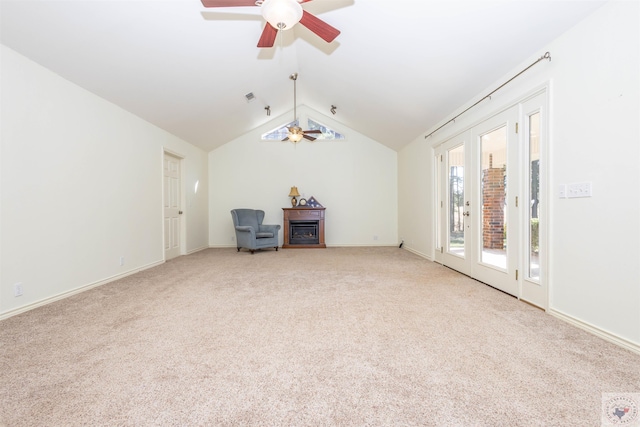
{"points": [[303, 233]]}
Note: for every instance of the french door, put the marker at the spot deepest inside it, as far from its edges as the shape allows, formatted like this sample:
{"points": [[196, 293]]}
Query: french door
{"points": [[489, 201]]}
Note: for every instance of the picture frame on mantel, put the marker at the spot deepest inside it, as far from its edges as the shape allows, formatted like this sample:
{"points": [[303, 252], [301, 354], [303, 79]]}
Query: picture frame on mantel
{"points": [[313, 203]]}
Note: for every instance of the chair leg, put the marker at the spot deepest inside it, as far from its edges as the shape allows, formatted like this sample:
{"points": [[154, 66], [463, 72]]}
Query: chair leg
{"points": [[238, 249], [276, 249], [252, 251]]}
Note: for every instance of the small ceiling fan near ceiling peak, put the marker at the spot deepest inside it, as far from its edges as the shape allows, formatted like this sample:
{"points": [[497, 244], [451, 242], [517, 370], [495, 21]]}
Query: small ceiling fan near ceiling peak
{"points": [[295, 132], [281, 15]]}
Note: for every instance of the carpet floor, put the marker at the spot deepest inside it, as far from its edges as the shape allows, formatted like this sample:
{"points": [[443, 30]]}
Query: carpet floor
{"points": [[322, 337]]}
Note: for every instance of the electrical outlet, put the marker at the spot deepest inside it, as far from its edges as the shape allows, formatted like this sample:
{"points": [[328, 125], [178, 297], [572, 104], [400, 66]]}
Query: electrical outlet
{"points": [[17, 290], [375, 237], [121, 260], [581, 189], [233, 238]]}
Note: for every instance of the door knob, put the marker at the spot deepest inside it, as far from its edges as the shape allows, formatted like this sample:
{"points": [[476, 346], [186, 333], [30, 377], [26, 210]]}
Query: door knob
{"points": [[179, 212], [466, 213]]}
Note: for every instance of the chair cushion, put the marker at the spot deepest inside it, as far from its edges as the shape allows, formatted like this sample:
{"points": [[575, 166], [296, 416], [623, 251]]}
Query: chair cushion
{"points": [[263, 234], [247, 217]]}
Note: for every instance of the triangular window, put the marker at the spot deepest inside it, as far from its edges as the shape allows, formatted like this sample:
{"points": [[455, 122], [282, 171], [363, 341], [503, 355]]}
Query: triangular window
{"points": [[327, 132], [278, 134], [281, 132]]}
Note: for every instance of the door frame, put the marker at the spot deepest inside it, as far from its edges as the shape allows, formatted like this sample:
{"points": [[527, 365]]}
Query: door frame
{"points": [[539, 102], [183, 222], [542, 90]]}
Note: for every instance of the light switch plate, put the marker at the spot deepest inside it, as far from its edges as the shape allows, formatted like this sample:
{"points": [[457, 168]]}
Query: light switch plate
{"points": [[580, 189]]}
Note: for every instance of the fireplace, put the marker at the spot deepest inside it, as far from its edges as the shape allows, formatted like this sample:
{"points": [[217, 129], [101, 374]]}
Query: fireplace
{"points": [[303, 232], [303, 228]]}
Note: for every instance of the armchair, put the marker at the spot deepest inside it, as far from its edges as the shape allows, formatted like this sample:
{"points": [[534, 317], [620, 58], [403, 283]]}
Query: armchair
{"points": [[251, 233]]}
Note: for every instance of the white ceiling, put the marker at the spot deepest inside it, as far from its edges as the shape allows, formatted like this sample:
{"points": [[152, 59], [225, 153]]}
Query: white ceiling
{"points": [[397, 68]]}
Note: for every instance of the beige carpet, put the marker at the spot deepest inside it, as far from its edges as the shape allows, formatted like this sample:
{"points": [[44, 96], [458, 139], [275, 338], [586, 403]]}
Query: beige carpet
{"points": [[340, 336]]}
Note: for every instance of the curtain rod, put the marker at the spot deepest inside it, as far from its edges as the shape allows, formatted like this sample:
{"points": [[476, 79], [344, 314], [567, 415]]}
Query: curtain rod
{"points": [[547, 55]]}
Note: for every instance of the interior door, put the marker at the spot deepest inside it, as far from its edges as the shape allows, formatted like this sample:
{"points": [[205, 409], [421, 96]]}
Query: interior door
{"points": [[172, 208]]}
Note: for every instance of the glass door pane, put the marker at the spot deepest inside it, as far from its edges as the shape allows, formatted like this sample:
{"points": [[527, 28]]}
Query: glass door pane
{"points": [[493, 193], [534, 198], [456, 212]]}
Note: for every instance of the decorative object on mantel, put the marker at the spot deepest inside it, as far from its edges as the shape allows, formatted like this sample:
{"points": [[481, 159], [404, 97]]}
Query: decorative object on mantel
{"points": [[293, 193], [313, 203]]}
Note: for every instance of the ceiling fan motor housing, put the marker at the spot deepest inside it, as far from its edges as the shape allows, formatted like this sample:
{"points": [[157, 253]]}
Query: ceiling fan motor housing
{"points": [[282, 14]]}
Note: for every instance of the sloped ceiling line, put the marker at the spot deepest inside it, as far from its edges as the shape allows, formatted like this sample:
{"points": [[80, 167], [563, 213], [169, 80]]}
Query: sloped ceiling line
{"points": [[547, 55]]}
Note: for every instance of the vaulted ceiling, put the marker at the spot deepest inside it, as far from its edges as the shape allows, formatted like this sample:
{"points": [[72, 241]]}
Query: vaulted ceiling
{"points": [[397, 68]]}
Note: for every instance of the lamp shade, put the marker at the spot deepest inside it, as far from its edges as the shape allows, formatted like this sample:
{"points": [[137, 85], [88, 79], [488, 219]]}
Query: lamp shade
{"points": [[282, 14], [294, 192]]}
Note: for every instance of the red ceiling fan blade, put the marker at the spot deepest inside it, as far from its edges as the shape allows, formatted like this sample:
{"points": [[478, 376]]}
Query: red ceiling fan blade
{"points": [[228, 3], [325, 31], [268, 37]]}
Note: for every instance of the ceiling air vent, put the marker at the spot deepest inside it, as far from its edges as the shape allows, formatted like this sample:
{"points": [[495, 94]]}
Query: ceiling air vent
{"points": [[250, 96]]}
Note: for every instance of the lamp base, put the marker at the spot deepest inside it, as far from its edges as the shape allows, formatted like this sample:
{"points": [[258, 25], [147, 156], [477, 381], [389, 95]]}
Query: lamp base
{"points": [[294, 202]]}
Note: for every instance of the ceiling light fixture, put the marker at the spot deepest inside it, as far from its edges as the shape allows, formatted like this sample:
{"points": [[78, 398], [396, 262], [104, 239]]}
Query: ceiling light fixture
{"points": [[295, 132], [282, 14], [333, 109]]}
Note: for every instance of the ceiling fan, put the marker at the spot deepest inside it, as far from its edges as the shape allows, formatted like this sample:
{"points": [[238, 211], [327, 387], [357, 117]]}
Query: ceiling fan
{"points": [[295, 132], [281, 15]]}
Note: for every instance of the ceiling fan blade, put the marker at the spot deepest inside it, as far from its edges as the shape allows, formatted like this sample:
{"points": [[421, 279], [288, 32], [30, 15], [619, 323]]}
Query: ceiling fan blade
{"points": [[268, 37], [228, 3], [310, 138], [325, 31], [313, 131]]}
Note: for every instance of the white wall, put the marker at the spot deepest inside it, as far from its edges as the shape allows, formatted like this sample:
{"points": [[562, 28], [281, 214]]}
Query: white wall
{"points": [[415, 182], [354, 179], [81, 186], [594, 259]]}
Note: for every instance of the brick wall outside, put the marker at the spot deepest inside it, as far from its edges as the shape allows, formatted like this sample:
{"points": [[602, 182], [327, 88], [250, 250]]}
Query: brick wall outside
{"points": [[493, 192]]}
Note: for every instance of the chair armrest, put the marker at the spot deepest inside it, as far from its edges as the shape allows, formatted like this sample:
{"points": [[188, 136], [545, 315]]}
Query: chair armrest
{"points": [[270, 228], [245, 229]]}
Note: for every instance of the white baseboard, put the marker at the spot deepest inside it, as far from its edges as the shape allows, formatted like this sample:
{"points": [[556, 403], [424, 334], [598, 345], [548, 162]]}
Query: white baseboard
{"points": [[75, 291], [608, 336], [193, 251], [423, 255]]}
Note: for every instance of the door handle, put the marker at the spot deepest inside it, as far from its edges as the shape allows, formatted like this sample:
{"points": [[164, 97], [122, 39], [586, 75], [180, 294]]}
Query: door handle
{"points": [[179, 212]]}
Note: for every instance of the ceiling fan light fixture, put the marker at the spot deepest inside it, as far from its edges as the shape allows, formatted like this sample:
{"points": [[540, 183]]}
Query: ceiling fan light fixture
{"points": [[282, 14], [295, 137], [295, 134]]}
